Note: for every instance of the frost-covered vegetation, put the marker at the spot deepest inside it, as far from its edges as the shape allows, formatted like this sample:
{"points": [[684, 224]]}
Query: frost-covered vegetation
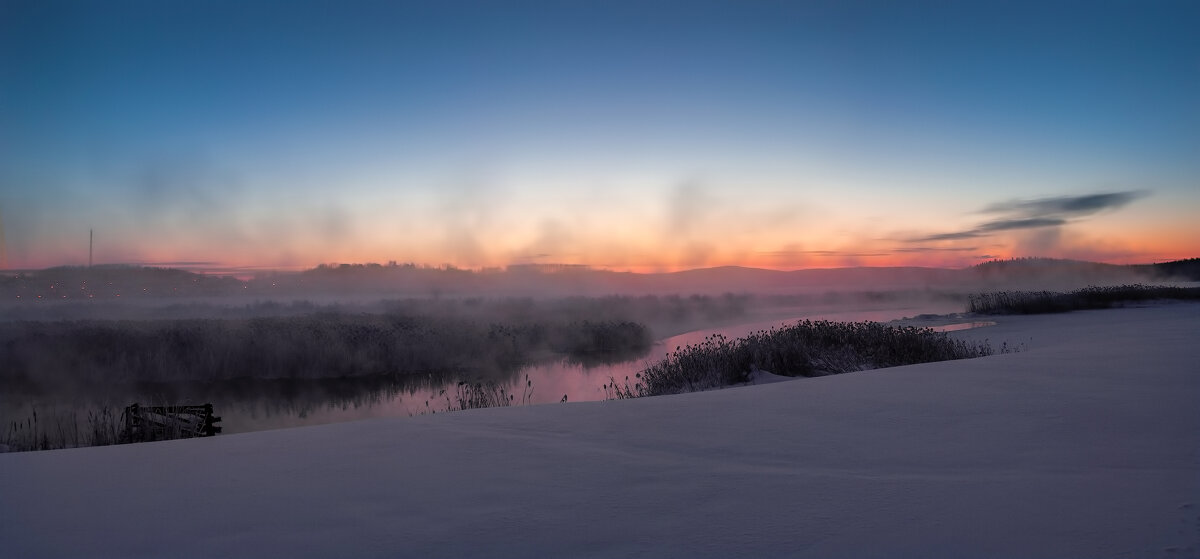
{"points": [[806, 348], [423, 337], [1039, 302], [322, 345]]}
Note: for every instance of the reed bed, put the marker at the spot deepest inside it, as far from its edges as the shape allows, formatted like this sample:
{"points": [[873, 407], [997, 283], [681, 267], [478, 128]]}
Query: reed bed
{"points": [[807, 348], [1042, 302], [61, 429]]}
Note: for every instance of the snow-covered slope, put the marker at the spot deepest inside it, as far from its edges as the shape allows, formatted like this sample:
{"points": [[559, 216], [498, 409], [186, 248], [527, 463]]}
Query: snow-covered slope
{"points": [[1085, 444]]}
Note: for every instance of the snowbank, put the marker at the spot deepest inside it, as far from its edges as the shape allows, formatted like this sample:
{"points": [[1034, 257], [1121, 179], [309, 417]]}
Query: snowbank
{"points": [[1085, 444]]}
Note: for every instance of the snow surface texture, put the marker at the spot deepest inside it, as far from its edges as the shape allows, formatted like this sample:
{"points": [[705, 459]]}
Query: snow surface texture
{"points": [[1085, 444]]}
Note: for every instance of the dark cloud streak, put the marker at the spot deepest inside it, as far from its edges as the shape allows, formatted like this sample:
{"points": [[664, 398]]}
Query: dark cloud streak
{"points": [[946, 237], [1067, 205], [1038, 214], [1023, 223]]}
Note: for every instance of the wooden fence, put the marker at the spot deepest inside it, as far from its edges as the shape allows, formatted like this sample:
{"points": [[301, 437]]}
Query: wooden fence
{"points": [[160, 423]]}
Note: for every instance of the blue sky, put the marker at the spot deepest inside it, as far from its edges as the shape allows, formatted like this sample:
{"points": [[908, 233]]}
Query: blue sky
{"points": [[630, 135]]}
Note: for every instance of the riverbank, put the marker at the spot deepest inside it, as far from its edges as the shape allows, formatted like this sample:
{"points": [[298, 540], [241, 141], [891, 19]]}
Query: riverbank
{"points": [[1083, 444]]}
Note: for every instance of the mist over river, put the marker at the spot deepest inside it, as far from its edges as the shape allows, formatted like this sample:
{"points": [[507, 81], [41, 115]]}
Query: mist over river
{"points": [[249, 404]]}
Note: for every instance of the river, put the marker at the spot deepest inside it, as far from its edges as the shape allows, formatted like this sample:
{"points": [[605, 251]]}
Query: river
{"points": [[270, 404]]}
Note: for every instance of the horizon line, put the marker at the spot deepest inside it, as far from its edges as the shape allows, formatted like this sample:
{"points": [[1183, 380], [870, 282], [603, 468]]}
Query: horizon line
{"points": [[217, 268]]}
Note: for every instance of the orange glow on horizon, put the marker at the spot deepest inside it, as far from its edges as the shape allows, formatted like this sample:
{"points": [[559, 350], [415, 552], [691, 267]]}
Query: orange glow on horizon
{"points": [[654, 255]]}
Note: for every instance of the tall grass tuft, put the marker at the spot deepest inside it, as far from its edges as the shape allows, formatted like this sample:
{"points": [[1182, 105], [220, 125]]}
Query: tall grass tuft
{"points": [[478, 395]]}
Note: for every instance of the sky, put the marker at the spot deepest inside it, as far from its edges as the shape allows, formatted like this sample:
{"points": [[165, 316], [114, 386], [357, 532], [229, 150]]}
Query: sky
{"points": [[641, 136]]}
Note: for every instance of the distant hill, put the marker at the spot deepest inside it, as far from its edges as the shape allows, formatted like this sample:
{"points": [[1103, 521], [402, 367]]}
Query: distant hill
{"points": [[359, 281]]}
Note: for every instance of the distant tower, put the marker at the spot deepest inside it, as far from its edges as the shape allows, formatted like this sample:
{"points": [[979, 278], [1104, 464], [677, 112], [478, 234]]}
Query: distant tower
{"points": [[91, 241]]}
